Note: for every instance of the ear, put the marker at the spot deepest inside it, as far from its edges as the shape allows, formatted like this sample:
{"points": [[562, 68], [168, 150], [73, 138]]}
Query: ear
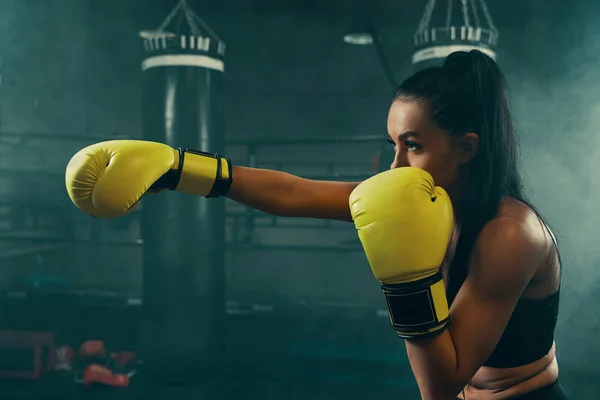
{"points": [[469, 145]]}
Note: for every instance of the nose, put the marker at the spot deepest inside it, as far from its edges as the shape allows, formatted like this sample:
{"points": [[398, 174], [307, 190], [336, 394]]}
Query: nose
{"points": [[400, 160]]}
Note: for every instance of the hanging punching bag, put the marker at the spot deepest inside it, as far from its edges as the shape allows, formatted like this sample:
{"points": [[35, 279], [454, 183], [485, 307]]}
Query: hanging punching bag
{"points": [[448, 26], [183, 235]]}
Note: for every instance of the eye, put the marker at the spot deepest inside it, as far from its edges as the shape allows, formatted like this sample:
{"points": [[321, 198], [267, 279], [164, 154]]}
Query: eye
{"points": [[411, 146]]}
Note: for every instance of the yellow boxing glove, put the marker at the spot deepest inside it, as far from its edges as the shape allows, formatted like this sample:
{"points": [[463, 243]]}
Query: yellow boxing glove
{"points": [[405, 223], [107, 179]]}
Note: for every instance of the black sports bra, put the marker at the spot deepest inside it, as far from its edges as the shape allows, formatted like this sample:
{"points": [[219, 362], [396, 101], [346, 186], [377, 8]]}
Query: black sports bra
{"points": [[529, 334]]}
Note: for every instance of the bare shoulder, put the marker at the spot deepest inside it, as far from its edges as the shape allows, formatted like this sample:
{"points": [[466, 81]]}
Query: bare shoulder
{"points": [[514, 208], [519, 237], [515, 213]]}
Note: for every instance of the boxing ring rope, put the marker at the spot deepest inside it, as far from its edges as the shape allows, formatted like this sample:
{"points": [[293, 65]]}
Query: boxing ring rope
{"points": [[7, 254], [56, 136]]}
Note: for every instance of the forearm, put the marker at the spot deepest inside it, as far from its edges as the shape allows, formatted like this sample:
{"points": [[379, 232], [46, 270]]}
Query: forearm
{"points": [[435, 366], [287, 195], [265, 190]]}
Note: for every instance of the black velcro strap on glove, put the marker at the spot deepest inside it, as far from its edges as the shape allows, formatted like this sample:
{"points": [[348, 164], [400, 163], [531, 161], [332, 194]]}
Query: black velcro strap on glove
{"points": [[415, 307], [221, 186]]}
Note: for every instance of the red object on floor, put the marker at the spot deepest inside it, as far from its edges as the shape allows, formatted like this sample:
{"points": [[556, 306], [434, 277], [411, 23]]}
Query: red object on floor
{"points": [[95, 373], [41, 344], [92, 348]]}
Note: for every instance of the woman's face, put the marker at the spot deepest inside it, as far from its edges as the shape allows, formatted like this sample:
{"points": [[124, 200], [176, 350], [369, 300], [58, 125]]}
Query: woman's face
{"points": [[419, 142]]}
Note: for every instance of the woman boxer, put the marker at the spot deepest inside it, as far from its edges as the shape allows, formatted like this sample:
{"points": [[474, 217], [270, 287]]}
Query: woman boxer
{"points": [[454, 122], [502, 266]]}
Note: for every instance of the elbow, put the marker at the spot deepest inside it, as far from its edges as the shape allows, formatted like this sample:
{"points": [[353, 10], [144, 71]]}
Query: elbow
{"points": [[281, 209], [290, 202], [442, 389], [452, 389], [452, 393], [447, 396], [284, 203], [440, 393]]}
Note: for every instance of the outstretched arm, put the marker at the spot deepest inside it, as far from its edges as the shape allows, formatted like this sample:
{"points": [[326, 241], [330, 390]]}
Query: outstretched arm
{"points": [[108, 179], [287, 195]]}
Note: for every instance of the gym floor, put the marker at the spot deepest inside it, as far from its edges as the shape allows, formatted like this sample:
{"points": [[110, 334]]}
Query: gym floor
{"points": [[579, 385], [276, 357], [318, 354]]}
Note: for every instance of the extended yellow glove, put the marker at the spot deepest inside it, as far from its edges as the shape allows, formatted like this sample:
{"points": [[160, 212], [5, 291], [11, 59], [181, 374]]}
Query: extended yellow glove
{"points": [[108, 179], [405, 223]]}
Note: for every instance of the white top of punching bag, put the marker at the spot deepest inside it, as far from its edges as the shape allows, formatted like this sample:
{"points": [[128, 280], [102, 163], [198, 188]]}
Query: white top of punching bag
{"points": [[198, 47]]}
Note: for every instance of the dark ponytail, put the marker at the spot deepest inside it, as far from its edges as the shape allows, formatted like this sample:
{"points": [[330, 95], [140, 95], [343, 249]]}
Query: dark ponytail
{"points": [[468, 93]]}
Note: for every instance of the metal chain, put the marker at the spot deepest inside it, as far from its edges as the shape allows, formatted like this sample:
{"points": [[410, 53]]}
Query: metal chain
{"points": [[195, 23], [475, 11], [170, 17], [426, 18], [449, 15], [465, 10], [190, 20], [427, 14], [488, 17], [205, 25]]}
